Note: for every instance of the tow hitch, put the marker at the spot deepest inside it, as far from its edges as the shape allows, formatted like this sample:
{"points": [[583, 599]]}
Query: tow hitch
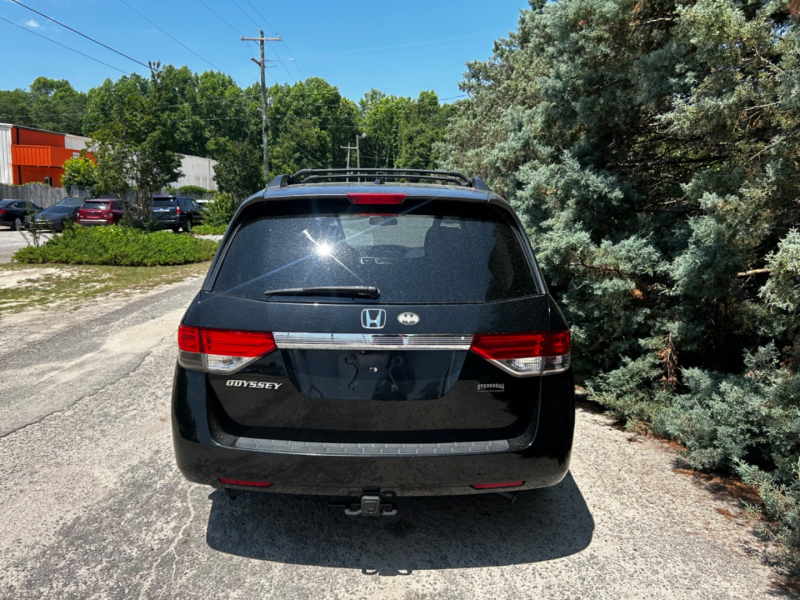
{"points": [[369, 504]]}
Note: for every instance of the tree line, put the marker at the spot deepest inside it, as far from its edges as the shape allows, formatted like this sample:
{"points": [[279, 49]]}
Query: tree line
{"points": [[652, 148], [177, 111]]}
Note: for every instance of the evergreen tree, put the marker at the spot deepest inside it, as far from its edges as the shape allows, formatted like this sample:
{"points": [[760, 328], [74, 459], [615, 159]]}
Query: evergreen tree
{"points": [[652, 149]]}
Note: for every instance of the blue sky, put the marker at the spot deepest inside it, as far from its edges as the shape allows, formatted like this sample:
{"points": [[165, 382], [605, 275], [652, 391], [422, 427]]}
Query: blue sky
{"points": [[398, 47]]}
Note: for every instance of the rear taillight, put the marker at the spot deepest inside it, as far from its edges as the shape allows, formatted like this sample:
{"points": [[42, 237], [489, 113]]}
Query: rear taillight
{"points": [[2, 212], [221, 350], [376, 198], [178, 211], [525, 354]]}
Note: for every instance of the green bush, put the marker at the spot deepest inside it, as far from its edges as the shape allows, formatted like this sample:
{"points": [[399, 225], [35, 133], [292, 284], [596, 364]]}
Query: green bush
{"points": [[209, 229], [193, 190], [120, 246], [219, 211]]}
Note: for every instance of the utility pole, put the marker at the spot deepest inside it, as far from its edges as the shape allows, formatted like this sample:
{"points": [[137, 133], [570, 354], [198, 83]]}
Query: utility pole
{"points": [[264, 121], [358, 151], [348, 148]]}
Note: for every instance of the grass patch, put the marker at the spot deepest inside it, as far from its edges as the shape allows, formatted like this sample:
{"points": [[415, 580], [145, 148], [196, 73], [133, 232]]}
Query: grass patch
{"points": [[118, 246], [23, 286], [209, 229]]}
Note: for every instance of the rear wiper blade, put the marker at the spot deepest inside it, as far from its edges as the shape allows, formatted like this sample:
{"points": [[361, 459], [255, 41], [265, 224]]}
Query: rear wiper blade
{"points": [[353, 291]]}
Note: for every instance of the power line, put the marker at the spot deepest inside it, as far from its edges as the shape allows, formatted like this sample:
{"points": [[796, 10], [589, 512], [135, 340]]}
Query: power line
{"points": [[171, 37], [81, 34], [244, 13], [261, 16], [64, 46], [220, 17], [294, 61]]}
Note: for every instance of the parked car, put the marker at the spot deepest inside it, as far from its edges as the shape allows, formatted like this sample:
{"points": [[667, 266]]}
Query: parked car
{"points": [[15, 213], [56, 216], [371, 340], [177, 212], [100, 212]]}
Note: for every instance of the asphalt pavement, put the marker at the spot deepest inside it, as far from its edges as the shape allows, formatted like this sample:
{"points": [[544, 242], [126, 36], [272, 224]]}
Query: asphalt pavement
{"points": [[10, 242], [94, 507]]}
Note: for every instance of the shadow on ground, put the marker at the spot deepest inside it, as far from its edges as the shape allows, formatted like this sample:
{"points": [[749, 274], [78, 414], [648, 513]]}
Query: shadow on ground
{"points": [[428, 533]]}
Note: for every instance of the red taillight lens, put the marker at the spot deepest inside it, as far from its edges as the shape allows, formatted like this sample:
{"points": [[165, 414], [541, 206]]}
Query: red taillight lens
{"points": [[221, 350], [178, 211], [499, 346], [557, 343], [243, 482], [236, 343], [189, 339], [2, 212], [376, 198], [525, 354], [491, 486]]}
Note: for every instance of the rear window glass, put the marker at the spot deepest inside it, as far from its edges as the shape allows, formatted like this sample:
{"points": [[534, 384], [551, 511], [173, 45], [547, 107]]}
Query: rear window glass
{"points": [[163, 202], [70, 202], [95, 205], [428, 252]]}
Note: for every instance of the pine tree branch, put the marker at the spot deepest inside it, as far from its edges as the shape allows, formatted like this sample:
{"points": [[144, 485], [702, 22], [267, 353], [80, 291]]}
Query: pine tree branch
{"points": [[753, 272]]}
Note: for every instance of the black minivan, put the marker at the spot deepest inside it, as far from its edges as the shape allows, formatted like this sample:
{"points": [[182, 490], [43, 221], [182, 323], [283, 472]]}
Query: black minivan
{"points": [[369, 334]]}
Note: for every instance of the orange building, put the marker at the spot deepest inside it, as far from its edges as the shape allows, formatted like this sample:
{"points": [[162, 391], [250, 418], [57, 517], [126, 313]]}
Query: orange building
{"points": [[36, 156]]}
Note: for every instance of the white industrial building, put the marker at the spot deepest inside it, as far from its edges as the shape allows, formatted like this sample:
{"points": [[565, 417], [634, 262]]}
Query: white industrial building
{"points": [[30, 155]]}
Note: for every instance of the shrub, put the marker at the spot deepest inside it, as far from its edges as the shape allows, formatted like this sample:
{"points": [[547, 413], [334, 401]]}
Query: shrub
{"points": [[120, 246], [193, 190], [219, 211], [209, 229]]}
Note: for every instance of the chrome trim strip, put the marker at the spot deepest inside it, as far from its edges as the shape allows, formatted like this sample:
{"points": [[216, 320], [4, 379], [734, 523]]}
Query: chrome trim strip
{"points": [[371, 341]]}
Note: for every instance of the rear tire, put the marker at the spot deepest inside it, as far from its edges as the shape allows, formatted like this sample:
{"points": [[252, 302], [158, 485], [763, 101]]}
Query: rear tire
{"points": [[188, 226], [17, 224]]}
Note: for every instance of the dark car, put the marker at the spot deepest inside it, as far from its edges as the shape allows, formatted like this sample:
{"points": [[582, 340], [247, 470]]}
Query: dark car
{"points": [[100, 211], [16, 213], [177, 212], [55, 217], [372, 340]]}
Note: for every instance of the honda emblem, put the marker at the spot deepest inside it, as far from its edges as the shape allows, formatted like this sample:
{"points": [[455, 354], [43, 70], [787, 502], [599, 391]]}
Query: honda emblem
{"points": [[373, 318]]}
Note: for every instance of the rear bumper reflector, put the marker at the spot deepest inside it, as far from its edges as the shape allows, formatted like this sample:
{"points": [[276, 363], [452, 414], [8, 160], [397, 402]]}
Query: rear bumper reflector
{"points": [[261, 484], [492, 486]]}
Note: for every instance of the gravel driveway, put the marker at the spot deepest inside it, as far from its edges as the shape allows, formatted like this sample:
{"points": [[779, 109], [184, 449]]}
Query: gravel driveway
{"points": [[93, 505]]}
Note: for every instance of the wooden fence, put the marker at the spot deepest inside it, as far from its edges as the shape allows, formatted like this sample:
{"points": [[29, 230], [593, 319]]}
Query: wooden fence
{"points": [[40, 194], [44, 195]]}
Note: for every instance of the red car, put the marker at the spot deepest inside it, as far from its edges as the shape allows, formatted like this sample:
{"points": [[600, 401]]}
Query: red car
{"points": [[100, 212]]}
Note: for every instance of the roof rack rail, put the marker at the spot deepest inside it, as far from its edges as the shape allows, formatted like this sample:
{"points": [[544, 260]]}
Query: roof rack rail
{"points": [[380, 176]]}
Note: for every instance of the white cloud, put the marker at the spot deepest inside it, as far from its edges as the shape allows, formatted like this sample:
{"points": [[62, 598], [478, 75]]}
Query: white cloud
{"points": [[32, 24]]}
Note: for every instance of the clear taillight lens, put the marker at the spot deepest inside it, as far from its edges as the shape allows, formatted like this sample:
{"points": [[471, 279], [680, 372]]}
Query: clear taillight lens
{"points": [[221, 350], [525, 354]]}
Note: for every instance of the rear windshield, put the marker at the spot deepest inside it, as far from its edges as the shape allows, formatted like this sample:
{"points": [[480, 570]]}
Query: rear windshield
{"points": [[95, 205], [428, 252], [70, 202], [59, 209], [163, 202]]}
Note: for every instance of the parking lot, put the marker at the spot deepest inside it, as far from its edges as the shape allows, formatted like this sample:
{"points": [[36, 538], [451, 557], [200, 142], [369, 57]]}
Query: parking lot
{"points": [[10, 242], [93, 505]]}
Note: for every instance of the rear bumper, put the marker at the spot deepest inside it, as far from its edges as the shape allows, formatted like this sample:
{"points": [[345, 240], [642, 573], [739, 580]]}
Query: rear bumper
{"points": [[93, 222], [204, 455]]}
